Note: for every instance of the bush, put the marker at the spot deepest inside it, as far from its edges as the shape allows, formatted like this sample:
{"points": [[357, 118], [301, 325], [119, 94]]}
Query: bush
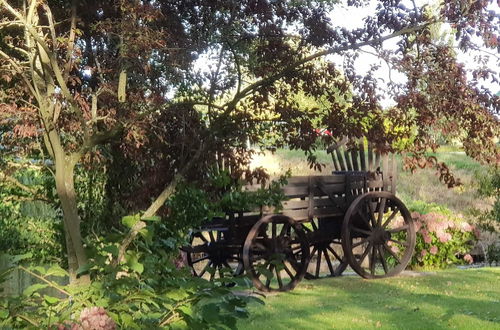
{"points": [[30, 226], [442, 239], [144, 291]]}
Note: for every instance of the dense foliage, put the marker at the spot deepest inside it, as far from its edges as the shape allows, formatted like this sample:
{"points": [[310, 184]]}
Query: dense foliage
{"points": [[443, 239]]}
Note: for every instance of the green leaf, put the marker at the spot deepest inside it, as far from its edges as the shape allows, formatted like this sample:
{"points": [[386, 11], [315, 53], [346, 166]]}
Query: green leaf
{"points": [[33, 288], [148, 234], [51, 300], [56, 270], [17, 258], [113, 249], [130, 220], [133, 262], [211, 313], [4, 314]]}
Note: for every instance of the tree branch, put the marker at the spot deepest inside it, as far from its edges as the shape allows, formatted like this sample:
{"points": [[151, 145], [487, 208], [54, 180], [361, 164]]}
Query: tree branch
{"points": [[292, 67]]}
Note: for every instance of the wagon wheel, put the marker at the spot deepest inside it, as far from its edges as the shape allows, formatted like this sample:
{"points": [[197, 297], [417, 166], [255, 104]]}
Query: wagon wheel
{"points": [[326, 255], [378, 235], [276, 253], [210, 257]]}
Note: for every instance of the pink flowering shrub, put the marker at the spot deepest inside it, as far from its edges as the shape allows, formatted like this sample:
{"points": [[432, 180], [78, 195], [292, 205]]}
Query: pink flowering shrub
{"points": [[94, 318], [442, 240]]}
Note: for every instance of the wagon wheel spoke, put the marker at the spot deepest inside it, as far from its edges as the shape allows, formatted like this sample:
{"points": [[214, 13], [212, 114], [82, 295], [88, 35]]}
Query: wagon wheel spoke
{"points": [[313, 225], [202, 237], [284, 230], [318, 263], [329, 263], [365, 253], [288, 271], [200, 259], [371, 212], [363, 217], [204, 270], [405, 244], [273, 231], [278, 277], [363, 241], [373, 258], [389, 219], [334, 253], [211, 235], [381, 209], [384, 263], [395, 230], [268, 279], [362, 231], [394, 255]]}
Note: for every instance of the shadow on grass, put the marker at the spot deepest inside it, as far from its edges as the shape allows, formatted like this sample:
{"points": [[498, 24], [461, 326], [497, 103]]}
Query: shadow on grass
{"points": [[452, 299]]}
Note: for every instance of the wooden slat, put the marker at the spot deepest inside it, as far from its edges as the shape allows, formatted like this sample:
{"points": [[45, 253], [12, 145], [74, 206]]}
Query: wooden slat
{"points": [[354, 157], [362, 158], [326, 179], [316, 202], [303, 191], [394, 173], [377, 161], [348, 160], [385, 168], [299, 215], [336, 164], [343, 166], [371, 168]]}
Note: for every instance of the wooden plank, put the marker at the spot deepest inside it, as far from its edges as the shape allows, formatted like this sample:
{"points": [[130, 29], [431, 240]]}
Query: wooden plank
{"points": [[377, 161], [336, 164], [299, 215], [348, 160], [371, 168], [342, 162], [316, 202], [385, 168], [304, 180], [362, 158], [354, 157], [303, 191], [394, 173]]}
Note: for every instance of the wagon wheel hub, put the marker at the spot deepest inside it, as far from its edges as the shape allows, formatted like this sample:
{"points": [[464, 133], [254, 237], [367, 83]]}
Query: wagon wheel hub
{"points": [[379, 236]]}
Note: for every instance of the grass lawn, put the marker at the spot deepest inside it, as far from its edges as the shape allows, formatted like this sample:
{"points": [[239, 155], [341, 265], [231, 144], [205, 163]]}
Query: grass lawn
{"points": [[458, 298]]}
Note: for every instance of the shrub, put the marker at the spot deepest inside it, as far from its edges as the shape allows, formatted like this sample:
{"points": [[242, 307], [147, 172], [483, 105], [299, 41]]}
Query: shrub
{"points": [[442, 239], [144, 291]]}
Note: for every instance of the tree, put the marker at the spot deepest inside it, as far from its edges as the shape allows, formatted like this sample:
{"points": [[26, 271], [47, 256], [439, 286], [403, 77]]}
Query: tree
{"points": [[76, 76]]}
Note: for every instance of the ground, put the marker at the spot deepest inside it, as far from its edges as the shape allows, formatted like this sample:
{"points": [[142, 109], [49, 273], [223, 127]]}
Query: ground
{"points": [[455, 298]]}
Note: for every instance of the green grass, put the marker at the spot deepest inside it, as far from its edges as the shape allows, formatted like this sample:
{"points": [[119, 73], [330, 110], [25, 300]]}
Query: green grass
{"points": [[458, 298]]}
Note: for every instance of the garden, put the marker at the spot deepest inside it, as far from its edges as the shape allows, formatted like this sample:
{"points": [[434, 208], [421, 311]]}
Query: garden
{"points": [[178, 164]]}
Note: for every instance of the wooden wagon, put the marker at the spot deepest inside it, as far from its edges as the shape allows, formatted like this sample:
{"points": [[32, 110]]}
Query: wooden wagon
{"points": [[350, 218]]}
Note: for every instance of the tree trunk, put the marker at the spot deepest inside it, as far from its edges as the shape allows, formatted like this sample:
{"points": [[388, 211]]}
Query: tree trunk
{"points": [[65, 186], [66, 191]]}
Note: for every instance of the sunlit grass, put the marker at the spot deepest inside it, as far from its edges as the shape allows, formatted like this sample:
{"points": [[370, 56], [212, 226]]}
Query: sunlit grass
{"points": [[462, 299]]}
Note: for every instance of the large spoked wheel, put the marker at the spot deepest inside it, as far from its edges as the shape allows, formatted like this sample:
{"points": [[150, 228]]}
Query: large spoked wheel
{"points": [[378, 235], [326, 254], [276, 253], [210, 257]]}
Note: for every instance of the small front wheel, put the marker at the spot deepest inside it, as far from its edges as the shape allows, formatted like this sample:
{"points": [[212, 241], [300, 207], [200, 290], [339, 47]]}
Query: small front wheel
{"points": [[276, 253], [378, 235]]}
